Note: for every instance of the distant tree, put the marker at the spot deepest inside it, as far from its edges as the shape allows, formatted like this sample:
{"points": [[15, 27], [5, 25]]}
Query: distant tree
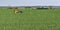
{"points": [[10, 7], [27, 7], [49, 7]]}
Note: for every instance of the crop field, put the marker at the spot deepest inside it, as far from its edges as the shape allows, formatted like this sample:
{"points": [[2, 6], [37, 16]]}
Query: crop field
{"points": [[38, 19]]}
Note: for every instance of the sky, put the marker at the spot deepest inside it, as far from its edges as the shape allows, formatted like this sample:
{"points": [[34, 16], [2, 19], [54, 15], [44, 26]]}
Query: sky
{"points": [[29, 2]]}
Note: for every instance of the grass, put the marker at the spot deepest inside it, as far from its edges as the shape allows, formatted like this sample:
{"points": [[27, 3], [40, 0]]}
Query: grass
{"points": [[29, 19]]}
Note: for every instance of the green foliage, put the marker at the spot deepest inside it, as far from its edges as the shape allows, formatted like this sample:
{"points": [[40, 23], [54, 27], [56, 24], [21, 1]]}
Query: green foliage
{"points": [[10, 8]]}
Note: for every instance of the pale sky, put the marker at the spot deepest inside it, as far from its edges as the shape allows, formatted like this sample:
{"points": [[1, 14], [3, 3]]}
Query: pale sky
{"points": [[29, 2]]}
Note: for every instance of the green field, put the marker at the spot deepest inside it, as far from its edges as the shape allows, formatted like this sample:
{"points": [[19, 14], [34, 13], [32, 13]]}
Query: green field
{"points": [[29, 19]]}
